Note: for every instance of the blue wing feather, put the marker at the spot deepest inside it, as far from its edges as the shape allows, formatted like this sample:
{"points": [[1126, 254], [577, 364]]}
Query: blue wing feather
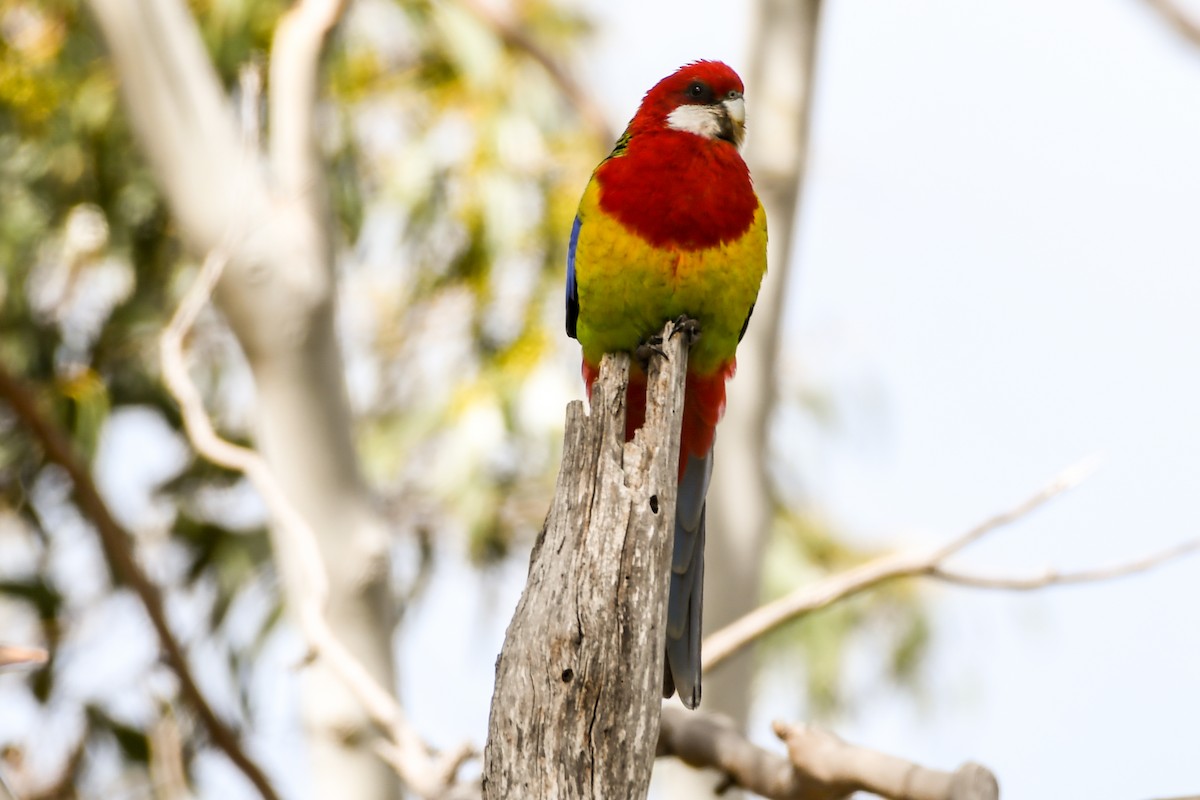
{"points": [[572, 288]]}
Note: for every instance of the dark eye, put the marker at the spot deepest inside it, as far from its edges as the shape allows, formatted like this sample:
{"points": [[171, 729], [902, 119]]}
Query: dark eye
{"points": [[733, 94], [700, 92]]}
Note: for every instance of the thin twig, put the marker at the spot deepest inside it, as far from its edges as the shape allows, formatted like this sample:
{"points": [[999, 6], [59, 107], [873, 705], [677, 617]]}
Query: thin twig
{"points": [[1177, 18], [292, 94], [19, 656], [115, 542], [250, 82], [724, 643], [168, 775], [1066, 480], [1053, 577], [517, 39], [425, 772]]}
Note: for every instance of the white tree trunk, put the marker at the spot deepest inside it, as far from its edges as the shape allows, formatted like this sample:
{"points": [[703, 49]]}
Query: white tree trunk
{"points": [[740, 503], [278, 295]]}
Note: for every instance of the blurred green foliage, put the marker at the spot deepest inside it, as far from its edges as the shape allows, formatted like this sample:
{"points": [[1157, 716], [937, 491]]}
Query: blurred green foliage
{"points": [[887, 621], [454, 163]]}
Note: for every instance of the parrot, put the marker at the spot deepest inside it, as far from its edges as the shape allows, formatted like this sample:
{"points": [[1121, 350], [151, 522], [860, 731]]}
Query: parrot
{"points": [[670, 228]]}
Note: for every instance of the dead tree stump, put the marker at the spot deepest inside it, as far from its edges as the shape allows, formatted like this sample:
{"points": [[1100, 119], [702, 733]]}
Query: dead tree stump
{"points": [[575, 713]]}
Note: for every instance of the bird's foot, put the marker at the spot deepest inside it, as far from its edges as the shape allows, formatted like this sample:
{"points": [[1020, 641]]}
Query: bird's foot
{"points": [[683, 325], [648, 348], [688, 327]]}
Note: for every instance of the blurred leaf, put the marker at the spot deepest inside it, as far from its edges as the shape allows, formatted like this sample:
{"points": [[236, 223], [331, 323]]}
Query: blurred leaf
{"points": [[911, 647], [454, 166], [90, 407], [37, 593], [805, 547]]}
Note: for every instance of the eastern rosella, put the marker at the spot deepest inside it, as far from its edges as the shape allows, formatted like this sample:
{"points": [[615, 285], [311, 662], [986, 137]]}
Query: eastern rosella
{"points": [[669, 226]]}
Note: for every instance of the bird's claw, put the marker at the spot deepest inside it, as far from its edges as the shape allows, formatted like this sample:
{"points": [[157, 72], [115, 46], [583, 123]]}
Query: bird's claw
{"points": [[648, 348], [687, 326], [682, 325]]}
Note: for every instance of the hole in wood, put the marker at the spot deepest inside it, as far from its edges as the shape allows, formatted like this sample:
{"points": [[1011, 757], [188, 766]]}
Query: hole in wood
{"points": [[653, 504], [568, 675]]}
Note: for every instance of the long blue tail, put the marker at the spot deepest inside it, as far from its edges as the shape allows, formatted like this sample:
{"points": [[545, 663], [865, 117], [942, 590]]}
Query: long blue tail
{"points": [[685, 604]]}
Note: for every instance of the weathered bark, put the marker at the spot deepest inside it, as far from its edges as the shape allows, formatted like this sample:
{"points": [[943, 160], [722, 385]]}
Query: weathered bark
{"points": [[576, 709], [116, 545], [277, 293]]}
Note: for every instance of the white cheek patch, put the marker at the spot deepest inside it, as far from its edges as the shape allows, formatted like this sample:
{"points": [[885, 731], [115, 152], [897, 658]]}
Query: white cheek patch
{"points": [[700, 120]]}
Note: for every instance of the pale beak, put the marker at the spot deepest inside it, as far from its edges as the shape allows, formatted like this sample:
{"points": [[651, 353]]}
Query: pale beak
{"points": [[735, 110]]}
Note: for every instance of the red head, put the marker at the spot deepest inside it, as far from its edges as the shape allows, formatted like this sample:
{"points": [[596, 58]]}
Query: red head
{"points": [[704, 98]]}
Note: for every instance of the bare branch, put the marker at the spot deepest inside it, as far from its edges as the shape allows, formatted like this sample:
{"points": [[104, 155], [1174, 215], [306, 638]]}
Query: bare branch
{"points": [[278, 295], [819, 765], [1065, 481], [12, 655], [1053, 577], [296, 52], [115, 542], [425, 772], [724, 643], [1177, 18], [250, 80], [168, 773], [836, 763], [708, 741], [212, 172], [181, 116]]}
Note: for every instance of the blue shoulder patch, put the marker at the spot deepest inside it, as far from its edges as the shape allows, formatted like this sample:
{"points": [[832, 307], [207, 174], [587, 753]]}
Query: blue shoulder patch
{"points": [[572, 288]]}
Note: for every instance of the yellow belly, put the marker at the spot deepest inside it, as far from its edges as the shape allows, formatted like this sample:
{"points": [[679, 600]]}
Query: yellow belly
{"points": [[628, 288]]}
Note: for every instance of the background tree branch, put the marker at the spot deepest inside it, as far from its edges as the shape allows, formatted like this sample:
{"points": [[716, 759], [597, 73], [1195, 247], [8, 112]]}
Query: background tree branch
{"points": [[186, 127], [277, 293], [1178, 18], [741, 503], [1053, 577], [722, 644], [414, 761], [12, 655], [299, 41], [115, 542], [819, 765]]}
